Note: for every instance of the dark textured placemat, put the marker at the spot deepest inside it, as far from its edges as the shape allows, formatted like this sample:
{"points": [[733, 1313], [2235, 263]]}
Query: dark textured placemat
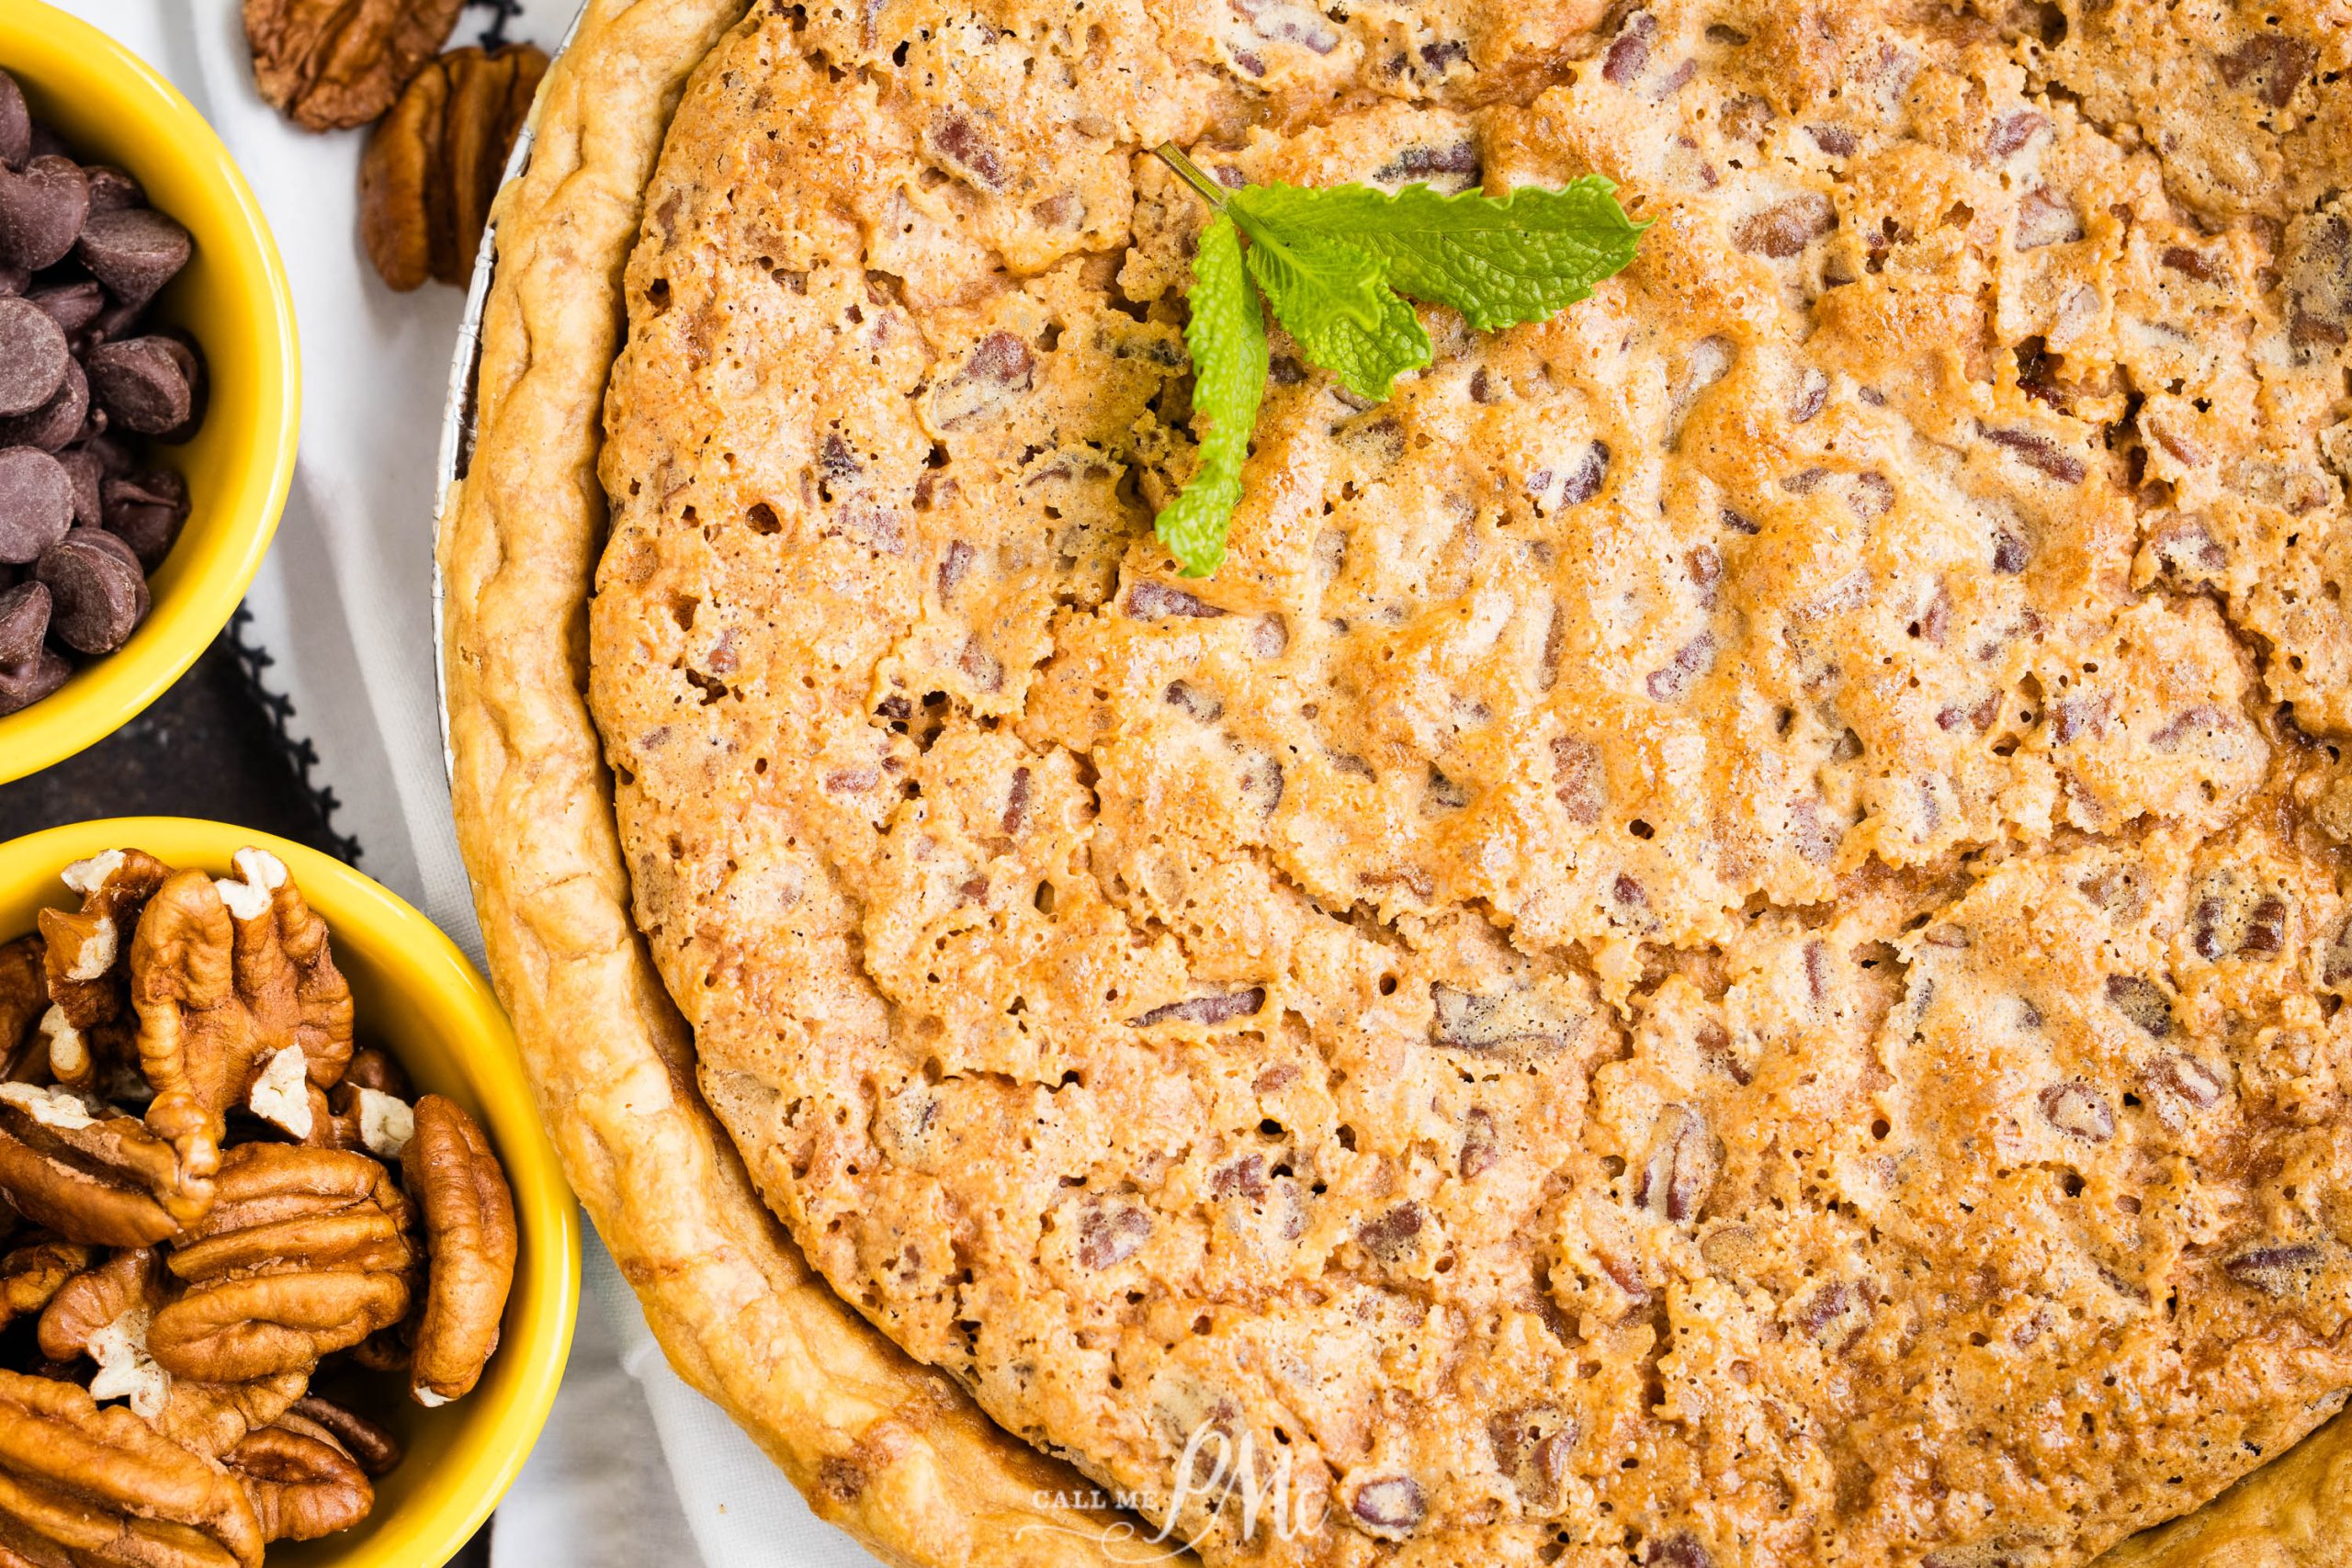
{"points": [[205, 749]]}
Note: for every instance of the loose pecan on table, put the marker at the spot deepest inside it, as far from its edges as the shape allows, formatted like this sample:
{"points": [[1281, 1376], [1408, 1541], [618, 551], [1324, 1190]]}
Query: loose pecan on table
{"points": [[331, 64], [433, 164]]}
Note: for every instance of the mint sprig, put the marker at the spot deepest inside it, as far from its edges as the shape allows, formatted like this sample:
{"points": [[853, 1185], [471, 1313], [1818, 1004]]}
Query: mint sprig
{"points": [[1338, 266], [1227, 336]]}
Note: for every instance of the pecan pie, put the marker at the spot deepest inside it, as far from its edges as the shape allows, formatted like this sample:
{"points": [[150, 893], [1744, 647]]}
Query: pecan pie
{"points": [[1721, 938]]}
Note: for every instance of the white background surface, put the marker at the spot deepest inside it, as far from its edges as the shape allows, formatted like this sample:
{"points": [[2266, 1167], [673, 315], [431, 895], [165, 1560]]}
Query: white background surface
{"points": [[634, 1468]]}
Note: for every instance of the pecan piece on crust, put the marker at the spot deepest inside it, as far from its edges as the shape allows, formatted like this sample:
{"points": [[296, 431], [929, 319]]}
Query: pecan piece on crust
{"points": [[100, 1486], [91, 1175], [468, 1213], [331, 64], [433, 164], [302, 1484], [35, 1270], [377, 1449], [306, 1251], [225, 976]]}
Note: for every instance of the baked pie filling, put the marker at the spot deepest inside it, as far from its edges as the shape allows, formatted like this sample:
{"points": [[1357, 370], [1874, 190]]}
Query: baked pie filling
{"points": [[1719, 941]]}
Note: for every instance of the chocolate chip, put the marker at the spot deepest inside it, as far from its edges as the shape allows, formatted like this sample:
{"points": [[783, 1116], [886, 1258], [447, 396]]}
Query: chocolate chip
{"points": [[148, 384], [111, 190], [115, 321], [113, 461], [79, 528], [16, 124], [22, 685], [99, 594], [134, 251], [85, 471], [33, 356], [23, 622], [41, 211], [36, 503], [73, 306], [146, 514], [57, 422]]}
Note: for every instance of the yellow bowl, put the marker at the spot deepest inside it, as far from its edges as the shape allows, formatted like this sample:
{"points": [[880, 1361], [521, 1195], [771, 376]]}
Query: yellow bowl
{"points": [[232, 298], [419, 999]]}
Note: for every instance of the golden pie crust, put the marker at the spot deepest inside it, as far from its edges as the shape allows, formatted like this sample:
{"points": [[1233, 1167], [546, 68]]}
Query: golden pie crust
{"points": [[898, 1454]]}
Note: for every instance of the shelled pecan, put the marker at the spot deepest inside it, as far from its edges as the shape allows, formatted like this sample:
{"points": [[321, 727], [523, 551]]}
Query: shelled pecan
{"points": [[433, 164], [331, 64]]}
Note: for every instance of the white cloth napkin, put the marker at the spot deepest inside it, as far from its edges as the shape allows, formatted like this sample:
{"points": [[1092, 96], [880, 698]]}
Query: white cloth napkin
{"points": [[634, 1468]]}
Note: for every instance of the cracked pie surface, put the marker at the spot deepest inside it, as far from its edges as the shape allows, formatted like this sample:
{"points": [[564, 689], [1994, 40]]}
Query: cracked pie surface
{"points": [[1718, 942]]}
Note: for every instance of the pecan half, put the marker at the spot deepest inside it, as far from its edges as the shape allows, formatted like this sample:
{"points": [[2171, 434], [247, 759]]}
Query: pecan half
{"points": [[331, 64], [210, 1418], [24, 997], [102, 1059], [433, 164], [306, 1251], [470, 1232], [34, 1271], [375, 1450], [360, 1118], [91, 1175], [1680, 1172], [105, 1487], [130, 1281], [225, 975], [88, 950], [303, 1485]]}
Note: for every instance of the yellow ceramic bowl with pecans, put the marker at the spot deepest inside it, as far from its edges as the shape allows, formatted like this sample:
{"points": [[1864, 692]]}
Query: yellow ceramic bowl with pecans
{"points": [[418, 998], [232, 298]]}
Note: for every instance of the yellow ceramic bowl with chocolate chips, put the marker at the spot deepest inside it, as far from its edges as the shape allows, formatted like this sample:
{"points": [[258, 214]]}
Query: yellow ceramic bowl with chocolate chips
{"points": [[232, 298], [418, 998]]}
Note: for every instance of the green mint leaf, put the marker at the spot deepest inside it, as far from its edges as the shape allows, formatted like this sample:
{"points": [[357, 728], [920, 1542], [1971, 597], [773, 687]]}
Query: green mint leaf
{"points": [[1500, 262], [1338, 266], [1335, 299], [1226, 334]]}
